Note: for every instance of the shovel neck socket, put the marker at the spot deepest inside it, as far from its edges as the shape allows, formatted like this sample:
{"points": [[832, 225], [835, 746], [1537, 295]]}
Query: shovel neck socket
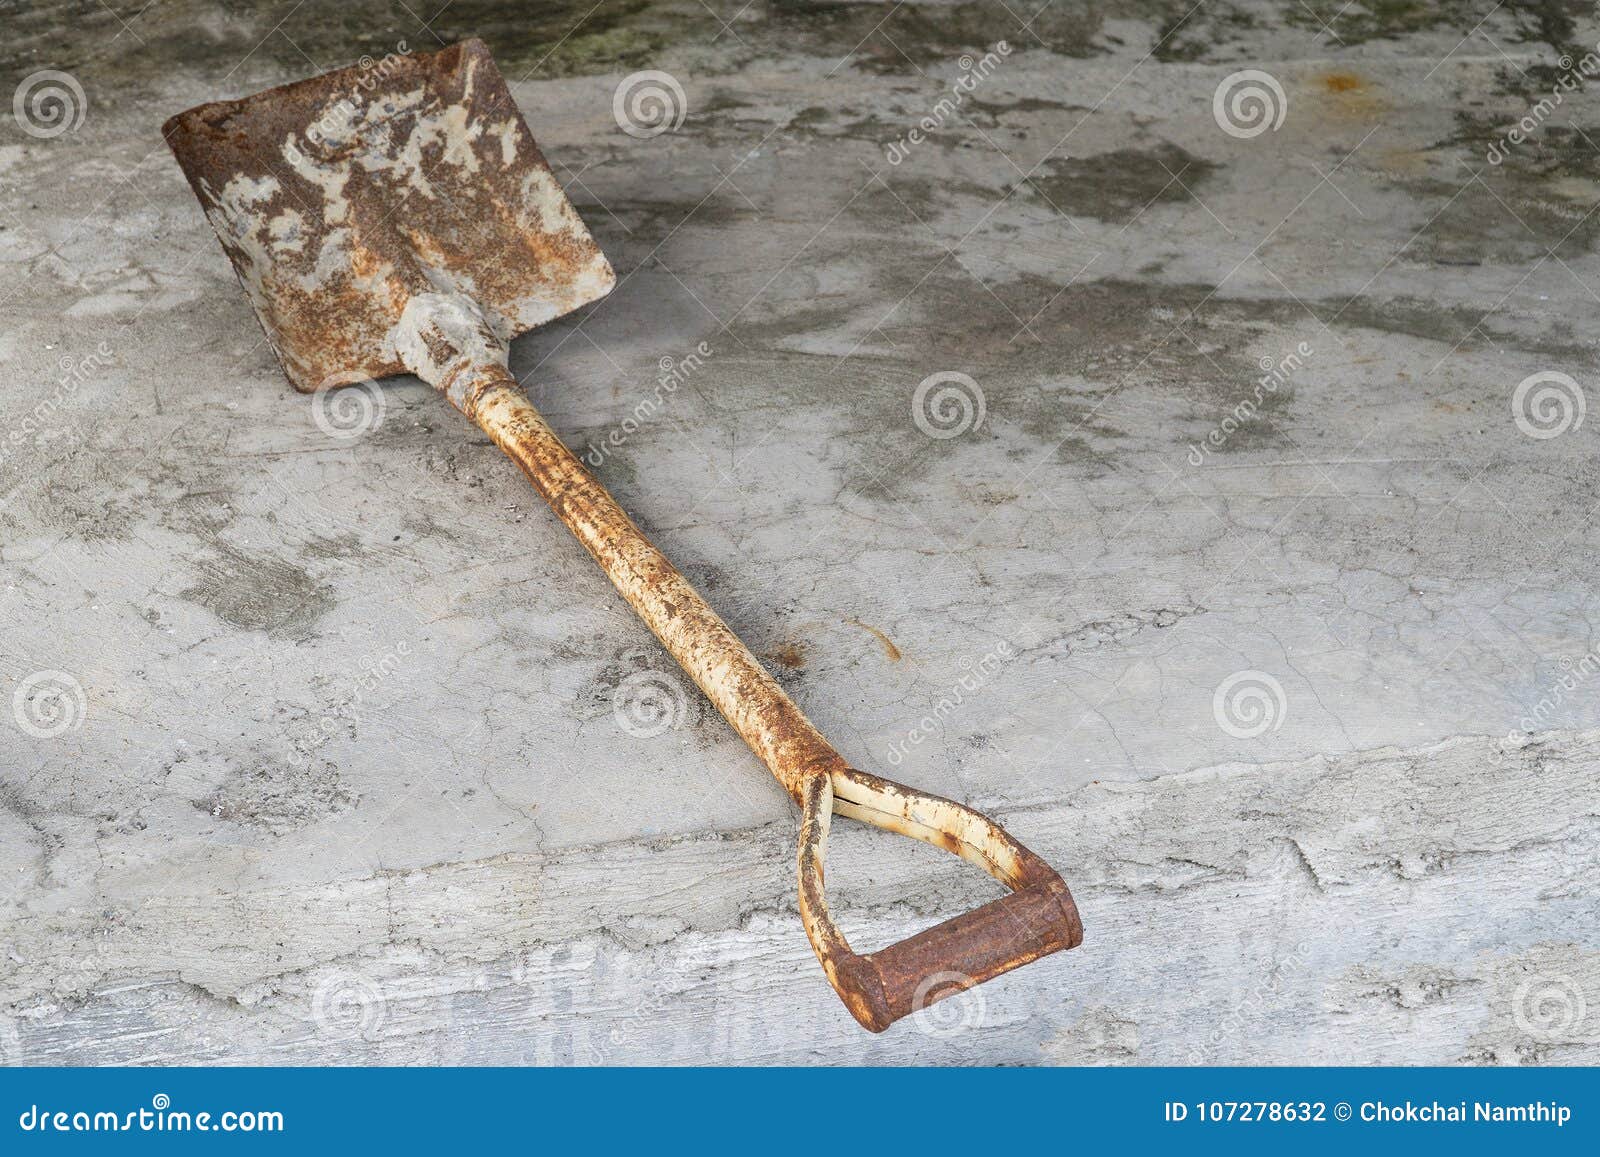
{"points": [[446, 341]]}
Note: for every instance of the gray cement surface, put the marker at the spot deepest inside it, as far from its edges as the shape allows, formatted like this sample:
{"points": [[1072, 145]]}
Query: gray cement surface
{"points": [[1209, 497]]}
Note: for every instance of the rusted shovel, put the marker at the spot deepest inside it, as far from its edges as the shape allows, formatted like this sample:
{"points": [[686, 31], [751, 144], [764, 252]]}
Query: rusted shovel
{"points": [[399, 218]]}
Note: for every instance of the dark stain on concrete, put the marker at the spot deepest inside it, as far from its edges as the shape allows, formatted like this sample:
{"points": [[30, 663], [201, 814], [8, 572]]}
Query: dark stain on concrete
{"points": [[279, 796], [135, 47], [1045, 357], [1549, 22], [1460, 326], [1006, 110], [250, 588], [643, 685], [843, 122], [1120, 185], [335, 546], [908, 38], [911, 200], [1535, 201], [1187, 32], [258, 591], [649, 221], [140, 44]]}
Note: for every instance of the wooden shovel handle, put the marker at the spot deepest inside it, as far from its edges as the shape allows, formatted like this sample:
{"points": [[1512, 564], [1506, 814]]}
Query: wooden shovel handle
{"points": [[1038, 918]]}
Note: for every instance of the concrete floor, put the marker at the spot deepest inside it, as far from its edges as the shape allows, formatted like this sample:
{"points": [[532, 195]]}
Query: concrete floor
{"points": [[313, 747]]}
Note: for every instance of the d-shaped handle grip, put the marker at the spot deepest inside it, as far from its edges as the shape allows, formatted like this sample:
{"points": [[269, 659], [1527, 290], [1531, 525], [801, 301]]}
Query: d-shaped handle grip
{"points": [[1036, 919]]}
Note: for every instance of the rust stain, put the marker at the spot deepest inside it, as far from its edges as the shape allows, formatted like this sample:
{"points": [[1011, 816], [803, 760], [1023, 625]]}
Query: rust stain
{"points": [[342, 198], [791, 655], [1352, 97], [1404, 162], [889, 648]]}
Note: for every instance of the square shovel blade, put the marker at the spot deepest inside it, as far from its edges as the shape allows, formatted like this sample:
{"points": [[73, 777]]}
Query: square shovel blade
{"points": [[341, 197]]}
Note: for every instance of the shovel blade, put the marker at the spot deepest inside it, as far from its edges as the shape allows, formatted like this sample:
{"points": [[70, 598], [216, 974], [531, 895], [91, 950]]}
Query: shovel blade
{"points": [[341, 197]]}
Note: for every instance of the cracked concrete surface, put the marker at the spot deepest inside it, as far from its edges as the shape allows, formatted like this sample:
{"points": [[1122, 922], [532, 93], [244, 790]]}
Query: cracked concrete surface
{"points": [[337, 749]]}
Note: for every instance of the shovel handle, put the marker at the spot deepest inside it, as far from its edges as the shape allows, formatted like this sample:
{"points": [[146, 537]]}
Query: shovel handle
{"points": [[879, 988], [1036, 919], [706, 647]]}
